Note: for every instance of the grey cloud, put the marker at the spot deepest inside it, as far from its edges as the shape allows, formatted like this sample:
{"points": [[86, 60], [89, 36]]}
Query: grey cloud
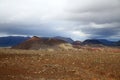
{"points": [[98, 11], [104, 32], [101, 17], [39, 30], [93, 5], [69, 18]]}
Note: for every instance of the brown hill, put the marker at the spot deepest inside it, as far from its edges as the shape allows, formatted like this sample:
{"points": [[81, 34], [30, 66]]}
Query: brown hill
{"points": [[77, 43], [39, 43]]}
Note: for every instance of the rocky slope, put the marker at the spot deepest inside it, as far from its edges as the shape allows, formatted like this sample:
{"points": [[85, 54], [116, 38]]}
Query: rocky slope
{"points": [[42, 43]]}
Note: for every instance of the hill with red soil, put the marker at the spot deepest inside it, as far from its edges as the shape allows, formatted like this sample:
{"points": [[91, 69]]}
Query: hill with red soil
{"points": [[39, 43]]}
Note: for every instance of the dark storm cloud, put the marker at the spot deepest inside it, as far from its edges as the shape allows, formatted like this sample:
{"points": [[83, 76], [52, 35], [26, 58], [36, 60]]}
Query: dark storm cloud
{"points": [[39, 30], [79, 19], [102, 32], [107, 31], [97, 18]]}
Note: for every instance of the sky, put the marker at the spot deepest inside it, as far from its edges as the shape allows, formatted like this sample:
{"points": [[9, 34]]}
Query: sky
{"points": [[78, 19]]}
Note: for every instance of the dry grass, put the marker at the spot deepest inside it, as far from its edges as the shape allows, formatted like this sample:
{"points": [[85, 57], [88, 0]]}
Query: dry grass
{"points": [[82, 64]]}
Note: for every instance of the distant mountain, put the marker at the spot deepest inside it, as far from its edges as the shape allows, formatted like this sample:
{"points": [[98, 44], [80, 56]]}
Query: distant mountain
{"points": [[107, 42], [40, 43], [91, 41], [77, 43], [15, 40], [118, 43], [11, 40], [69, 40], [99, 41]]}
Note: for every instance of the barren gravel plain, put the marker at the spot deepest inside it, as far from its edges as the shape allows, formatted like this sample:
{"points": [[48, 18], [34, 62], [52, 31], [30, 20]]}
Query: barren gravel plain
{"points": [[83, 64]]}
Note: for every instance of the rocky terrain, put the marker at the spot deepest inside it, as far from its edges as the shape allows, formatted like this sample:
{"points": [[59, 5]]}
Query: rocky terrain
{"points": [[37, 43], [55, 59], [82, 64]]}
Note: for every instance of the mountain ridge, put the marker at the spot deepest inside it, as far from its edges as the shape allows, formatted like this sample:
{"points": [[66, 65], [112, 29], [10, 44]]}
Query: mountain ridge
{"points": [[40, 43], [15, 40], [11, 40]]}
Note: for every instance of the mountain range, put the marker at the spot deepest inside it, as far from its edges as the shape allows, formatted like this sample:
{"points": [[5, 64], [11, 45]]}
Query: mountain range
{"points": [[99, 41], [15, 40], [11, 40]]}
